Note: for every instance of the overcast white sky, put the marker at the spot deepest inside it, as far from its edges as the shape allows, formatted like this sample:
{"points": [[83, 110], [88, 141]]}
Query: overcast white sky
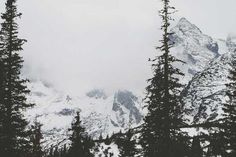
{"points": [[82, 44]]}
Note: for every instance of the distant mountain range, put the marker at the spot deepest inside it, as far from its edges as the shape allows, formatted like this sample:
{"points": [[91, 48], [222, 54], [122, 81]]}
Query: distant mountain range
{"points": [[102, 114]]}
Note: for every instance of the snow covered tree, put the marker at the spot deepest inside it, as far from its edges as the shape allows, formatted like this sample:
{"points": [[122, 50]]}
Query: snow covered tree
{"points": [[80, 142], [14, 139], [161, 136]]}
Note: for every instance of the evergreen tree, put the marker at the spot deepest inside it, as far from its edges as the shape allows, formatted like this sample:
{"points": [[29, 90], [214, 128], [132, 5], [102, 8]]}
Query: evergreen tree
{"points": [[217, 146], [196, 150], [107, 140], [127, 145], [161, 136], [36, 138], [2, 76], [14, 139], [64, 151], [81, 145], [228, 129], [56, 152], [50, 152], [2, 111], [100, 137]]}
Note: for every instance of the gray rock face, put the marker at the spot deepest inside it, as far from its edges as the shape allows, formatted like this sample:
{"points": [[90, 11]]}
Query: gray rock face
{"points": [[97, 93], [67, 112], [214, 48], [127, 100], [193, 47], [117, 108], [206, 92]]}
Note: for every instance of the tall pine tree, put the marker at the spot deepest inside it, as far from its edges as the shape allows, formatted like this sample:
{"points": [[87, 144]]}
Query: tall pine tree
{"points": [[13, 135], [127, 145], [161, 136], [80, 141], [36, 139]]}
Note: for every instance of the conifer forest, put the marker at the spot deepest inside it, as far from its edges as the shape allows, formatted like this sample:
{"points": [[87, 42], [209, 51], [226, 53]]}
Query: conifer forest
{"points": [[186, 108]]}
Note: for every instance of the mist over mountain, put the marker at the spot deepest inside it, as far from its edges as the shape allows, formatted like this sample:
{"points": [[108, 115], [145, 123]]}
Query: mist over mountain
{"points": [[206, 69]]}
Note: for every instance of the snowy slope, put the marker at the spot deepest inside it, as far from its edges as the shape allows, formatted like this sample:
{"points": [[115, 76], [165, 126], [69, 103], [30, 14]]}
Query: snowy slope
{"points": [[193, 47], [206, 69], [101, 113], [205, 93]]}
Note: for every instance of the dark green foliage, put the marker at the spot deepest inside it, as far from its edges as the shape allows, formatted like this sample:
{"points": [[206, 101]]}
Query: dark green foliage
{"points": [[36, 138], [64, 151], [81, 142], [1, 106], [100, 137], [58, 152], [2, 76], [196, 150], [14, 139], [51, 152], [217, 146], [160, 135], [127, 145], [107, 140]]}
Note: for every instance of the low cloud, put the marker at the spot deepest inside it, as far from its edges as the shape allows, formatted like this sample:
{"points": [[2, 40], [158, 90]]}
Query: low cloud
{"points": [[78, 45]]}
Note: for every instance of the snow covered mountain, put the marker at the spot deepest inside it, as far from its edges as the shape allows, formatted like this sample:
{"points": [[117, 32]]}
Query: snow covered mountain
{"points": [[207, 65], [101, 113], [193, 47], [205, 93], [206, 70]]}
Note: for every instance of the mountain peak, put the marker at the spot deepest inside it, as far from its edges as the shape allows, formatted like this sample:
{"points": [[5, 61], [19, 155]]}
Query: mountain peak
{"points": [[193, 47], [184, 25], [183, 20]]}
